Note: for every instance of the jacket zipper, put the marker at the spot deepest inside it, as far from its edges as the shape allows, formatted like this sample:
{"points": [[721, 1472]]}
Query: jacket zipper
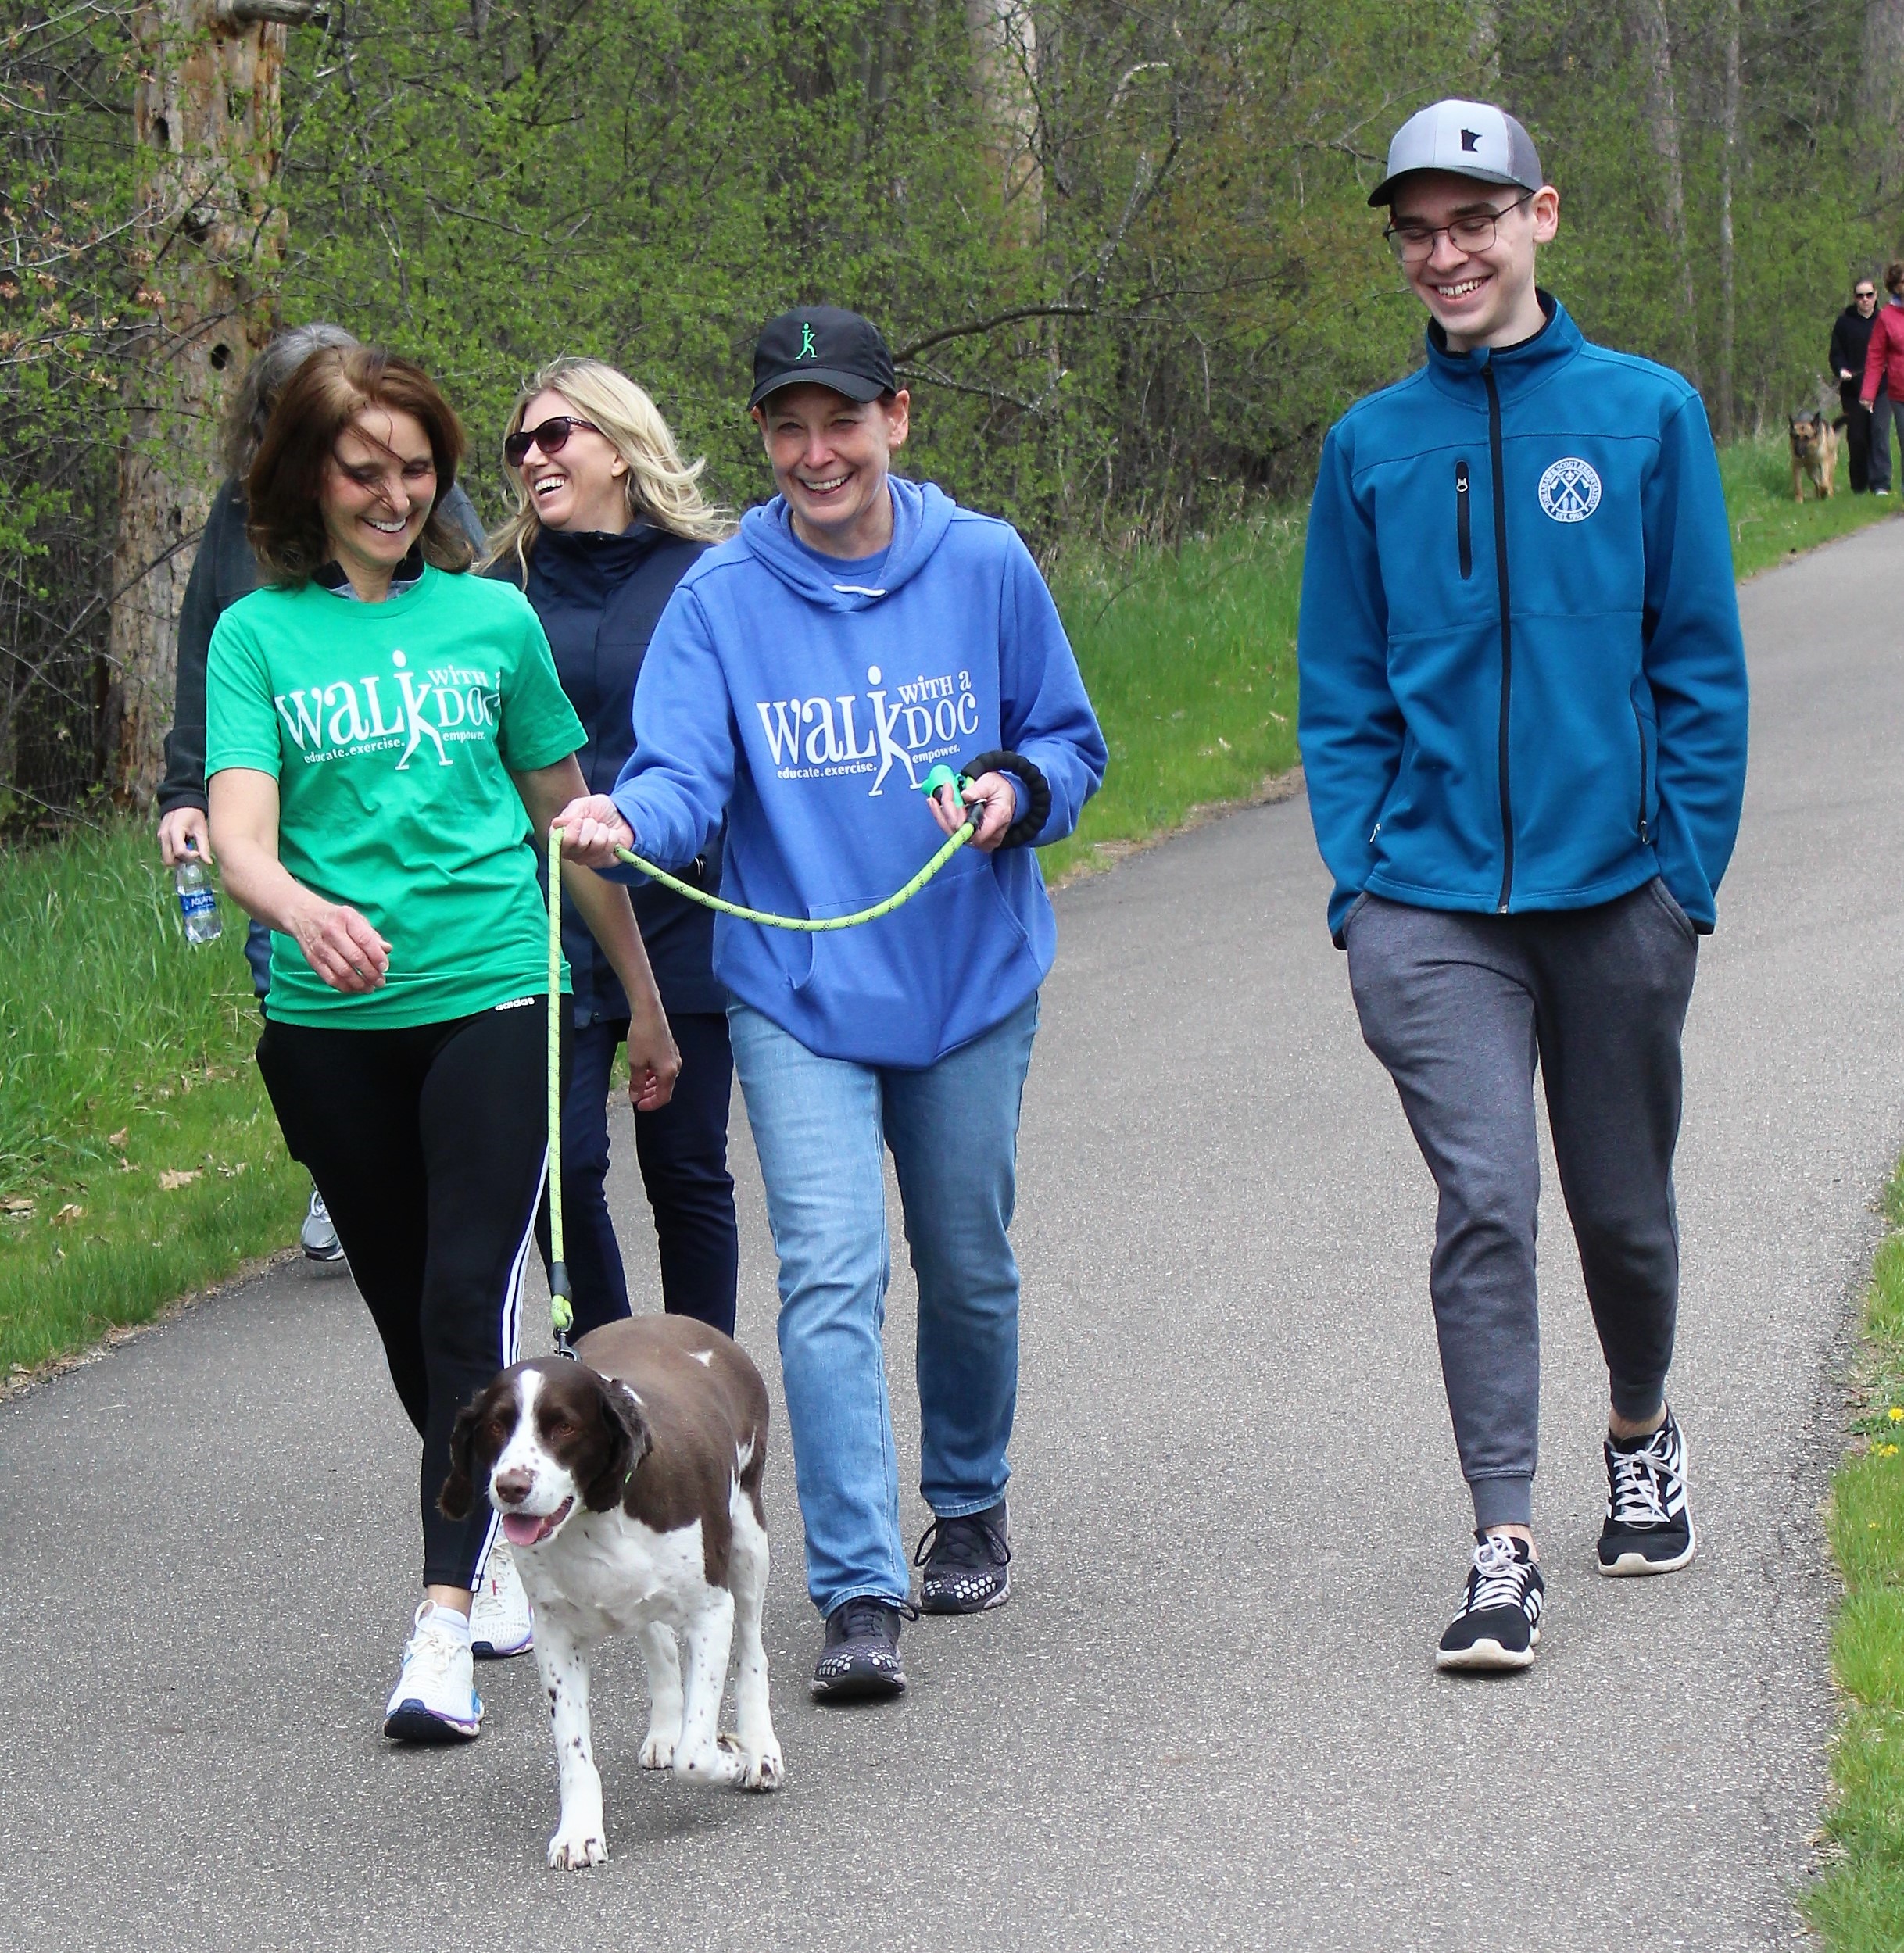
{"points": [[1640, 725], [1507, 631], [1463, 541]]}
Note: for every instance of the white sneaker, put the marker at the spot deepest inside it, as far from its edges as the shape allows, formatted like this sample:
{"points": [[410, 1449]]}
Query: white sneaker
{"points": [[434, 1700], [500, 1622], [317, 1235]]}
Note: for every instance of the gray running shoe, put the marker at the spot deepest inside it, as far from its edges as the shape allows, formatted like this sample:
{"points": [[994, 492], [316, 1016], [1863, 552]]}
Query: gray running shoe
{"points": [[319, 1237], [860, 1661], [965, 1563]]}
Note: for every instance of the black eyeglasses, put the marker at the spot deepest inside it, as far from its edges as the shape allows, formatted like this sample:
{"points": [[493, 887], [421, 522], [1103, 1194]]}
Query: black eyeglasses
{"points": [[1414, 243], [1867, 293], [551, 437]]}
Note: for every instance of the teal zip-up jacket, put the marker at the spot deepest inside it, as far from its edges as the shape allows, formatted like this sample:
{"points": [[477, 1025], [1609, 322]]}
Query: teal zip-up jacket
{"points": [[1523, 682]]}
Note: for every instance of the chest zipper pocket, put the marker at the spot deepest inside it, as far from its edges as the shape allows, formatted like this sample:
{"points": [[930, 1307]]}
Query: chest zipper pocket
{"points": [[1639, 726], [1463, 536]]}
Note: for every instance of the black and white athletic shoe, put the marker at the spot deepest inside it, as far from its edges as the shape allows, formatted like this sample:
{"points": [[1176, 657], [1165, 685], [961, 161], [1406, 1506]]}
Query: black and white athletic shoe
{"points": [[860, 1661], [965, 1563], [1499, 1624], [1649, 1527]]}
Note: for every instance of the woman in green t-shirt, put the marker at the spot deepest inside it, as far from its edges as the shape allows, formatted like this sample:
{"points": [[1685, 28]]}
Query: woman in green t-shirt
{"points": [[385, 739]]}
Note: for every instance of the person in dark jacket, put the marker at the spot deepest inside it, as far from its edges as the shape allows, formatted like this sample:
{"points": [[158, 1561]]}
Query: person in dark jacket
{"points": [[609, 519], [1523, 717], [1851, 341], [1882, 392], [223, 571]]}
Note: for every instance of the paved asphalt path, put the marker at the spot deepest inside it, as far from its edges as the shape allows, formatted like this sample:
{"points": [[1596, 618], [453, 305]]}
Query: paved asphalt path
{"points": [[1209, 1717]]}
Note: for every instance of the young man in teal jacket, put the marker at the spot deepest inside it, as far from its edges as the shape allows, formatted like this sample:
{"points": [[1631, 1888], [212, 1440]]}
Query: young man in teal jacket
{"points": [[1523, 720]]}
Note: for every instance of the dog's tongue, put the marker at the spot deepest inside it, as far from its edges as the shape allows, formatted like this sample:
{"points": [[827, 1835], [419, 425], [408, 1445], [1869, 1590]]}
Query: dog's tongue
{"points": [[523, 1529]]}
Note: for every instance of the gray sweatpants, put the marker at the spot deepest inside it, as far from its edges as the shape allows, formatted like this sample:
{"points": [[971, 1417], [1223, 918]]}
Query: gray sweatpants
{"points": [[1459, 1008]]}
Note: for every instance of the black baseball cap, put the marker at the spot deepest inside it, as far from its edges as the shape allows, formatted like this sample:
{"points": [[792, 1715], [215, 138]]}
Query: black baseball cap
{"points": [[821, 346]]}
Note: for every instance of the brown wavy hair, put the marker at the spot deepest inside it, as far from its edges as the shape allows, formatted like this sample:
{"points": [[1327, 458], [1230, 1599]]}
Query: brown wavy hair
{"points": [[284, 521]]}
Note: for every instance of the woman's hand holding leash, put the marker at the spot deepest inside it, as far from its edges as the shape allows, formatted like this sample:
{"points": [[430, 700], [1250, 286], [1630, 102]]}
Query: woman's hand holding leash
{"points": [[592, 828], [990, 800]]}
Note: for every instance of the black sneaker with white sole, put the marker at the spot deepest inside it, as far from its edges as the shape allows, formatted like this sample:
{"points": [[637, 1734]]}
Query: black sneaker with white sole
{"points": [[965, 1563], [860, 1661], [1649, 1527], [1499, 1624]]}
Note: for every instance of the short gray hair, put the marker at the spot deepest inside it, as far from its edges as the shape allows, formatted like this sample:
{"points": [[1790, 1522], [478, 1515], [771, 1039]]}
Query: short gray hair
{"points": [[264, 380]]}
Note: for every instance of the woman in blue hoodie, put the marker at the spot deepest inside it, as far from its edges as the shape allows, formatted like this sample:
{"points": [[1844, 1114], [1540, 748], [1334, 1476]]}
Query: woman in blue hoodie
{"points": [[609, 519], [803, 680]]}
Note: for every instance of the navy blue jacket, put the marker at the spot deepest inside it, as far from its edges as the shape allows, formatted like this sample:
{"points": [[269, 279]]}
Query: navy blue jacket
{"points": [[1523, 682], [599, 598]]}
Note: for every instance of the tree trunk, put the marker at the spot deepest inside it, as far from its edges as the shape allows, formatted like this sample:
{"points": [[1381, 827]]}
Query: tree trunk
{"points": [[1004, 63], [1485, 43], [1653, 38], [1728, 257], [1880, 95], [206, 119]]}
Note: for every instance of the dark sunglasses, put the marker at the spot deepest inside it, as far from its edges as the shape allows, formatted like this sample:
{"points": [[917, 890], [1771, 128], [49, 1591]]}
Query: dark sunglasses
{"points": [[552, 436], [1864, 294]]}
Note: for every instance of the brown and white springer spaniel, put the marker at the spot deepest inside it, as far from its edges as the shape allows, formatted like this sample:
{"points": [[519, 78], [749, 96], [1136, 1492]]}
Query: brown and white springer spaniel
{"points": [[628, 1482]]}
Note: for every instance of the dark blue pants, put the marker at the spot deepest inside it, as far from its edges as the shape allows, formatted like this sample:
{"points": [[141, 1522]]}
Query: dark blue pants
{"points": [[683, 1154], [258, 954]]}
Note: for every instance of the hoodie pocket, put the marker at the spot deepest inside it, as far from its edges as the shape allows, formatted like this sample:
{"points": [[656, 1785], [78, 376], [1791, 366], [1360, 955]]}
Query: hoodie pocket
{"points": [[1464, 540]]}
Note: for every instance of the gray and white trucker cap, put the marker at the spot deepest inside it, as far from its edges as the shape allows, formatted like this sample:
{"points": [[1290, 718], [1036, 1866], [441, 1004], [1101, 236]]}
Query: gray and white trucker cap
{"points": [[1466, 139]]}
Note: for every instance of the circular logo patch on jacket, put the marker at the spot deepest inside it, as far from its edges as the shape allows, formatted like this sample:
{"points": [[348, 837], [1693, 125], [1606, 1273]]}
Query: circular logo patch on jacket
{"points": [[1570, 490]]}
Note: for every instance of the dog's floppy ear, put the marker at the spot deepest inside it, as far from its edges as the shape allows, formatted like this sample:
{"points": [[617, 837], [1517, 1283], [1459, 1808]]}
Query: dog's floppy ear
{"points": [[625, 1442], [458, 1492]]}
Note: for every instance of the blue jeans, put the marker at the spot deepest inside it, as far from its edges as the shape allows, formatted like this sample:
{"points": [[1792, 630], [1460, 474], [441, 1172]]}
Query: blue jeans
{"points": [[821, 1128]]}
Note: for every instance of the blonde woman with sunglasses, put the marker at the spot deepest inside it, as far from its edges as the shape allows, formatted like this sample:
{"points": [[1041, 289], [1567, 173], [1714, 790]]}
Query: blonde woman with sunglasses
{"points": [[608, 520]]}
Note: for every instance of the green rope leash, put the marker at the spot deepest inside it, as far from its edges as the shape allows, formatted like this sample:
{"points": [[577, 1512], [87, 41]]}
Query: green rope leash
{"points": [[561, 1309]]}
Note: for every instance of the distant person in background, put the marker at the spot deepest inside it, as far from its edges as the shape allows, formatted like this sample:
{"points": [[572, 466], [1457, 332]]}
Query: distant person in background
{"points": [[225, 569], [1882, 393], [1851, 341], [609, 518]]}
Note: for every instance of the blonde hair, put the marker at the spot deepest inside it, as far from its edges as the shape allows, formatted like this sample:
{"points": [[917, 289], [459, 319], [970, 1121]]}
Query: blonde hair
{"points": [[661, 487]]}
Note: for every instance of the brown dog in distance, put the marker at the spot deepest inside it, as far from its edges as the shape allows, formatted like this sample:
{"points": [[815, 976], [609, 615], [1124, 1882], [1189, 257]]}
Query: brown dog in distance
{"points": [[1814, 453]]}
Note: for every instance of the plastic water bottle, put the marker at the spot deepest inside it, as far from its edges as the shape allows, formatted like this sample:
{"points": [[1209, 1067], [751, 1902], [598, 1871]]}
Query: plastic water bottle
{"points": [[196, 902]]}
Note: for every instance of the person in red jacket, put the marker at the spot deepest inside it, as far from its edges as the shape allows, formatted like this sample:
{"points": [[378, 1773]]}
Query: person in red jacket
{"points": [[1883, 366]]}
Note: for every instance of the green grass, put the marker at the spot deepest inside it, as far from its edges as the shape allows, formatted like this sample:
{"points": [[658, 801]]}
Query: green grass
{"points": [[110, 1024], [124, 1054], [1190, 660], [1768, 526], [1858, 1907]]}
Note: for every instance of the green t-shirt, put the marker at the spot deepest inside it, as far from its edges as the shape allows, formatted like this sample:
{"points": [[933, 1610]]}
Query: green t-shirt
{"points": [[391, 730]]}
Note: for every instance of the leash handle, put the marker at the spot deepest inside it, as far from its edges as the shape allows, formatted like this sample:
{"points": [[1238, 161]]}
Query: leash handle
{"points": [[561, 1311]]}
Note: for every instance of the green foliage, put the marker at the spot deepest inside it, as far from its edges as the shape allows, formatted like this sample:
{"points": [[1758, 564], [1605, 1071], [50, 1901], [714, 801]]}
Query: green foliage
{"points": [[1858, 1906]]}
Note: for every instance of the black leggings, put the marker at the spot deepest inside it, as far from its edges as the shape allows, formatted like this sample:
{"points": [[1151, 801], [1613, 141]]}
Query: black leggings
{"points": [[428, 1144]]}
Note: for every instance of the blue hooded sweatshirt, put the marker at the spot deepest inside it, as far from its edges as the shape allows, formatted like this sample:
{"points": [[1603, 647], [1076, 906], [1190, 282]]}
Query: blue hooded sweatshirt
{"points": [[807, 706], [1523, 682]]}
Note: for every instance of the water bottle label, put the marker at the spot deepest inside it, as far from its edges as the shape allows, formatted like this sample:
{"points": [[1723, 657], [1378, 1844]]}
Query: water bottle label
{"points": [[197, 901]]}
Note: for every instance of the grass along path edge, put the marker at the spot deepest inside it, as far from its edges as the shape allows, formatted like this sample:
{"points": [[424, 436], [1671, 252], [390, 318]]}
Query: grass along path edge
{"points": [[1857, 1906]]}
